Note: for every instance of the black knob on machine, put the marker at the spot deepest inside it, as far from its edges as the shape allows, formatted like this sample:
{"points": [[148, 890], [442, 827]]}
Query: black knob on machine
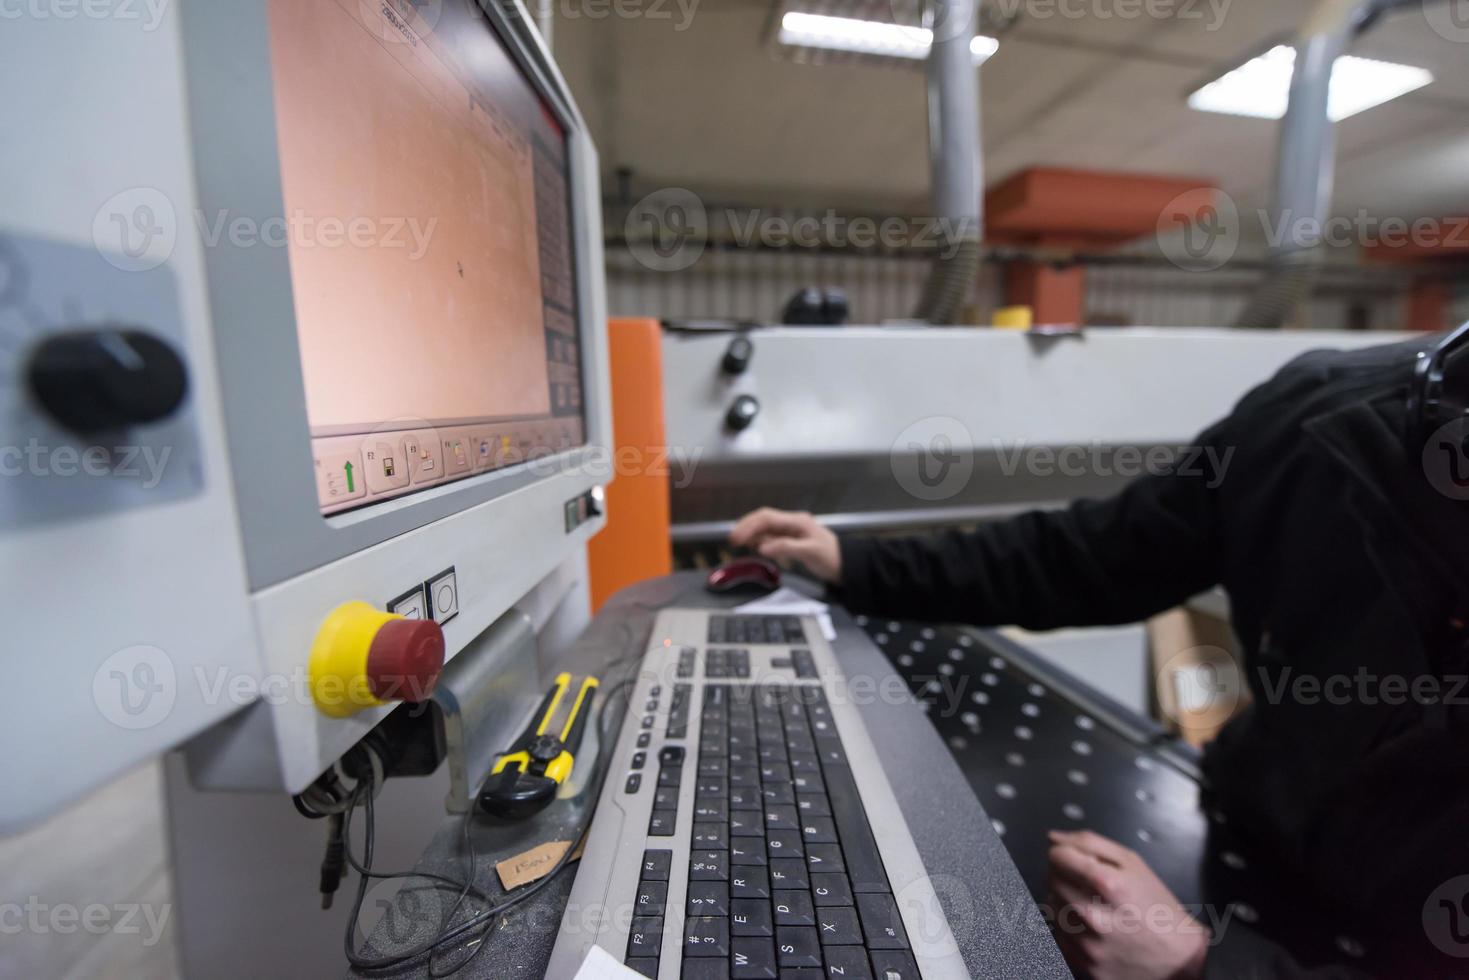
{"points": [[107, 378], [742, 412], [737, 355]]}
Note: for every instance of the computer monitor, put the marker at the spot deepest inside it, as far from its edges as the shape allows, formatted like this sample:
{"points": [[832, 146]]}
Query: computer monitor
{"points": [[437, 321], [370, 231]]}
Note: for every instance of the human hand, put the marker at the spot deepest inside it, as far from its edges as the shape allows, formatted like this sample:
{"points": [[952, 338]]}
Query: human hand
{"points": [[786, 536], [1115, 919]]}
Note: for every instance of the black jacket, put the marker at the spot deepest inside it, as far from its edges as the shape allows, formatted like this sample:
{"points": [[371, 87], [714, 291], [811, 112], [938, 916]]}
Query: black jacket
{"points": [[1340, 558]]}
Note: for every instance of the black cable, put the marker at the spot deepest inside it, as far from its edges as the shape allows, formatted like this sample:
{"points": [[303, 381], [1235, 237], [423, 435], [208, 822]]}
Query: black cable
{"points": [[481, 922]]}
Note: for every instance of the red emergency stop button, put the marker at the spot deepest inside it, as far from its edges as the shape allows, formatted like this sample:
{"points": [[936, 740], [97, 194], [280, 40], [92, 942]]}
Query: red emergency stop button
{"points": [[363, 658], [404, 660]]}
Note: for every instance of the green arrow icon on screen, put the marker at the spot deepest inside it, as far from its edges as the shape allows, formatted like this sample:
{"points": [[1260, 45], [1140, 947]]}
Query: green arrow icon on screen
{"points": [[348, 468]]}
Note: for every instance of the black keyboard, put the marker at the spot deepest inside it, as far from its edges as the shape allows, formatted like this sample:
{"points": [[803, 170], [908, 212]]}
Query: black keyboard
{"points": [[785, 881]]}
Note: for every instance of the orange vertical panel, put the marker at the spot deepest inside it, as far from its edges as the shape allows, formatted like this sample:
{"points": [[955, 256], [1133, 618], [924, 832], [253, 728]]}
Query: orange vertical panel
{"points": [[635, 543]]}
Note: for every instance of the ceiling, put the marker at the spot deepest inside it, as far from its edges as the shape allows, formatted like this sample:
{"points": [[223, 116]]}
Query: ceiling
{"points": [[689, 93]]}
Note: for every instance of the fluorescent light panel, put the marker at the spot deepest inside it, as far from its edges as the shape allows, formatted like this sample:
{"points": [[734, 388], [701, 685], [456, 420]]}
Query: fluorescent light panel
{"points": [[1261, 86], [868, 37]]}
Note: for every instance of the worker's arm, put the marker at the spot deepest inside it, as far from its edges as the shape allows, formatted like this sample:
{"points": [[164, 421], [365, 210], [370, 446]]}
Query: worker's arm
{"points": [[1096, 562]]}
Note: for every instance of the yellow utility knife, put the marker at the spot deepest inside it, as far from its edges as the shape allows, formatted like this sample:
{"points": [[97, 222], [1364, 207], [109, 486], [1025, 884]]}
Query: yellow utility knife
{"points": [[525, 778]]}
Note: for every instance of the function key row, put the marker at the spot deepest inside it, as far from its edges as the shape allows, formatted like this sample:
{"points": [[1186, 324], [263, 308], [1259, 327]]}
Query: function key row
{"points": [[746, 629]]}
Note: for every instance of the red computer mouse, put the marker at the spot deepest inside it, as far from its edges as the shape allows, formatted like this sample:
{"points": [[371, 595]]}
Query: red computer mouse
{"points": [[755, 574]]}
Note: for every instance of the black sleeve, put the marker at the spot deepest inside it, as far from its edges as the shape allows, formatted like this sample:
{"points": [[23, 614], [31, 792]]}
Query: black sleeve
{"points": [[1097, 562], [1240, 953]]}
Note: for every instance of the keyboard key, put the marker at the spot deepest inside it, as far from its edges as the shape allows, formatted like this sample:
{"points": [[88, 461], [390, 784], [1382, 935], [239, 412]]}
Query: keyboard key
{"points": [[710, 835], [788, 873], [708, 866], [708, 898], [824, 857], [888, 964], [750, 917], [643, 739], [639, 760], [744, 776], [665, 798], [838, 927], [652, 895], [847, 963], [793, 908], [706, 936], [710, 766], [808, 783], [747, 823], [784, 843], [661, 823], [797, 946], [745, 798], [634, 783], [646, 937], [656, 865], [711, 809], [863, 863], [818, 830], [646, 965], [704, 969], [670, 777], [881, 922], [781, 818], [804, 762], [711, 787], [803, 973], [752, 958], [749, 883], [778, 794], [830, 890], [813, 805], [775, 772], [747, 852]]}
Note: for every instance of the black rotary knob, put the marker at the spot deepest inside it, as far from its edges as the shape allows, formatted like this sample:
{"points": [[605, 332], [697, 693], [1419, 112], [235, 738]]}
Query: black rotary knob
{"points": [[742, 412], [737, 355], [108, 378]]}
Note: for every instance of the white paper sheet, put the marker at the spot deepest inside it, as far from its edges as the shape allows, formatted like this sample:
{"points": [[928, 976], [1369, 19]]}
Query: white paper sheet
{"points": [[602, 965], [788, 601]]}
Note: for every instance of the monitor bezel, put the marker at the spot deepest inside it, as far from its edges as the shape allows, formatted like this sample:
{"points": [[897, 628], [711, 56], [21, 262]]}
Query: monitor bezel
{"points": [[237, 166]]}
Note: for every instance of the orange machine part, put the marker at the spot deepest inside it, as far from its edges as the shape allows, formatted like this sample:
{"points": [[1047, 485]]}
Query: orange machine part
{"points": [[635, 544]]}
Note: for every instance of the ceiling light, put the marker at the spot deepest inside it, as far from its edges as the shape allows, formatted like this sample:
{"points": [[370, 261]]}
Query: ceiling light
{"points": [[1261, 86], [868, 37]]}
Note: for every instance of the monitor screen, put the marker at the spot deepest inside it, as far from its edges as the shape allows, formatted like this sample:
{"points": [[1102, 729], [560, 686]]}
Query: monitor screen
{"points": [[427, 221]]}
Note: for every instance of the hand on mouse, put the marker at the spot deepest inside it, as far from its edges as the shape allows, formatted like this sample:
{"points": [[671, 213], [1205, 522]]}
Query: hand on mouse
{"points": [[786, 536], [1115, 919]]}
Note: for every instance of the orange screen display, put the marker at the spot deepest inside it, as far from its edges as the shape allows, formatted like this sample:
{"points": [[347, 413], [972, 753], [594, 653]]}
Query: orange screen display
{"points": [[426, 215]]}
